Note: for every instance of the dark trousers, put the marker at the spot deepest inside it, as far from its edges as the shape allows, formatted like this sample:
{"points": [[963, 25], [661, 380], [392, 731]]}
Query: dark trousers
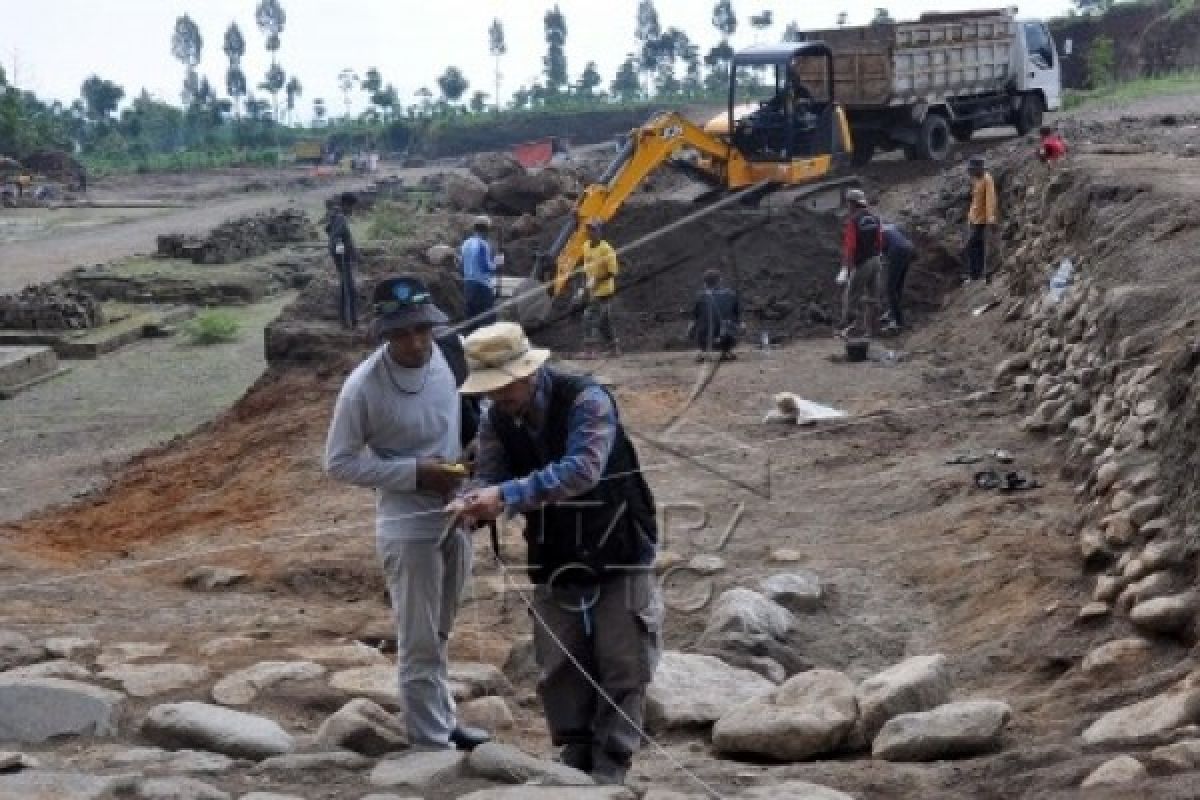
{"points": [[481, 302], [977, 252], [347, 293], [614, 631], [897, 271]]}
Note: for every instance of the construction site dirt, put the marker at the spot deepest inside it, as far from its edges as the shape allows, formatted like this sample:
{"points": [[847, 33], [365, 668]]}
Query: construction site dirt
{"points": [[915, 556]]}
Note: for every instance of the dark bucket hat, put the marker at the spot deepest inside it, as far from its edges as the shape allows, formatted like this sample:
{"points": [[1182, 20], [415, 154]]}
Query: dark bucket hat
{"points": [[400, 303]]}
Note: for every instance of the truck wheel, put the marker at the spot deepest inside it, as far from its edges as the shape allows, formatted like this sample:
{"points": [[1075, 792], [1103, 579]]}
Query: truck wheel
{"points": [[933, 139], [1029, 115], [962, 131]]}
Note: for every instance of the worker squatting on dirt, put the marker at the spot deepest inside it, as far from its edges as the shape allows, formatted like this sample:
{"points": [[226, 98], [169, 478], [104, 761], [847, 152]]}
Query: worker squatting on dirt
{"points": [[981, 218], [898, 253], [551, 447], [345, 257], [716, 318], [862, 246], [600, 274], [1051, 147], [398, 428], [479, 275]]}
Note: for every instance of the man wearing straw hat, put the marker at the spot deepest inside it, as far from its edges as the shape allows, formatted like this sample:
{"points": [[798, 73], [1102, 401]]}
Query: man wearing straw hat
{"points": [[396, 429], [552, 448]]}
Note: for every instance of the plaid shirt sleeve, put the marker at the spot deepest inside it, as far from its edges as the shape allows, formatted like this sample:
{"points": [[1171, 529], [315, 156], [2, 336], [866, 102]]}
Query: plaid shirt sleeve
{"points": [[591, 434]]}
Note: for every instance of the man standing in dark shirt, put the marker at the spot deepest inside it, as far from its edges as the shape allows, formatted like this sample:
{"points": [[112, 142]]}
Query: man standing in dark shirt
{"points": [[716, 318], [345, 257]]}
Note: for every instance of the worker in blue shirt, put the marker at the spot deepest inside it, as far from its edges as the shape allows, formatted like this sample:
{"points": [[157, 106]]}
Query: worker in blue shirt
{"points": [[898, 253], [479, 276]]}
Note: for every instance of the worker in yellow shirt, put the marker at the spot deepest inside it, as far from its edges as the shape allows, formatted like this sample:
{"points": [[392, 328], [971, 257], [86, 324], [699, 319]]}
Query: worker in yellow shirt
{"points": [[981, 218], [600, 273]]}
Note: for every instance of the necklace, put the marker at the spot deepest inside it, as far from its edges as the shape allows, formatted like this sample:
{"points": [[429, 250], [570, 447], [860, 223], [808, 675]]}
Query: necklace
{"points": [[387, 367]]}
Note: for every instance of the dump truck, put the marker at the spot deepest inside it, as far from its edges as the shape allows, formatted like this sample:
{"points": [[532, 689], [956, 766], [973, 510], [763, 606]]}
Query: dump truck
{"points": [[919, 86], [778, 136]]}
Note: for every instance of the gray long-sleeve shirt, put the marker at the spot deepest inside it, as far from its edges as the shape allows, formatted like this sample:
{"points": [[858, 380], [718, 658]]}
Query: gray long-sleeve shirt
{"points": [[386, 418]]}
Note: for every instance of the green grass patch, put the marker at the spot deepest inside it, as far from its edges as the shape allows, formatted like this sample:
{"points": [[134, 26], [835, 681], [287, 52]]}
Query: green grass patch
{"points": [[1178, 83], [212, 327], [391, 221]]}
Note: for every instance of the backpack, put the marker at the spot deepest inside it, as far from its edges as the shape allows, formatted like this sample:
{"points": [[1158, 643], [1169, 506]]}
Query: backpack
{"points": [[452, 350]]}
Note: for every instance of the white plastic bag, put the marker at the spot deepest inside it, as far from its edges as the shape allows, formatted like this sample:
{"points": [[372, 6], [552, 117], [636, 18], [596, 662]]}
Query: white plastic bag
{"points": [[1061, 279], [340, 248], [843, 277]]}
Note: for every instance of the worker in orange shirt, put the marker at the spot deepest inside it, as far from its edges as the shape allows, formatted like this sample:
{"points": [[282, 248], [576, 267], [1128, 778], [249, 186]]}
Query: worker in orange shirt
{"points": [[981, 218], [600, 272]]}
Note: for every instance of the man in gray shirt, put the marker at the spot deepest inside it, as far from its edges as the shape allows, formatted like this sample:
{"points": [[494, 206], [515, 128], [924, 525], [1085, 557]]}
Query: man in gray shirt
{"points": [[396, 429]]}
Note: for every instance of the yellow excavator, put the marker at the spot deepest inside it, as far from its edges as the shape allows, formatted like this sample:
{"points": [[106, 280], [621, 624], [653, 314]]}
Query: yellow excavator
{"points": [[794, 139]]}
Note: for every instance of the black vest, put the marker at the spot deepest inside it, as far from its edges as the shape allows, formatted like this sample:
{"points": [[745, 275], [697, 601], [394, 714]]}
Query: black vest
{"points": [[579, 541]]}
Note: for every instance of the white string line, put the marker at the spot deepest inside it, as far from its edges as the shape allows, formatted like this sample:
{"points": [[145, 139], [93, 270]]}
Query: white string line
{"points": [[816, 430], [674, 762]]}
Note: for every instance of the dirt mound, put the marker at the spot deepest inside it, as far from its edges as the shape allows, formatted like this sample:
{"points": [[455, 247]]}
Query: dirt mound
{"points": [[49, 308], [56, 165], [240, 238]]}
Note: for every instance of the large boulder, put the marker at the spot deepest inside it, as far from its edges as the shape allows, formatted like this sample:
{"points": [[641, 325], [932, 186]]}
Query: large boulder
{"points": [[1148, 719], [492, 167], [691, 690], [554, 208], [810, 714], [552, 793], [504, 763], [420, 770], [33, 710], [16, 650], [748, 612], [364, 727], [917, 684], [523, 193], [465, 192], [1115, 772], [218, 729], [949, 731], [794, 790], [1170, 615]]}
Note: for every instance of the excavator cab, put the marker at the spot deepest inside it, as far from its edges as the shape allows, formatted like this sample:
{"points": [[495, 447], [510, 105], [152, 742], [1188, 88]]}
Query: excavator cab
{"points": [[781, 103]]}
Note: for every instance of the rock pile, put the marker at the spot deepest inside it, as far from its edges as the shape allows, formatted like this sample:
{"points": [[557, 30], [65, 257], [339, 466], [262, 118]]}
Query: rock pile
{"points": [[51, 308], [241, 238]]}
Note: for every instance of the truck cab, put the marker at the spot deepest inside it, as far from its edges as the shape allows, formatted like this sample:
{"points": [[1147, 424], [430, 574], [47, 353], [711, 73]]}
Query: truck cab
{"points": [[1035, 63]]}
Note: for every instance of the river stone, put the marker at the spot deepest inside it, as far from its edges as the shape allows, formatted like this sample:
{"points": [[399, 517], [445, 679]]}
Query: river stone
{"points": [[1181, 756], [17, 650], [241, 687], [124, 652], [490, 713], [1145, 510], [949, 731], [33, 710], [309, 762], [1120, 770], [504, 763], [218, 729], [209, 579], [552, 793], [469, 680], [147, 680], [1148, 719], [691, 690], [48, 785], [70, 646], [377, 683], [274, 796], [794, 790], [746, 611], [810, 714], [420, 770], [15, 762], [796, 591], [1170, 615], [228, 645], [354, 654], [178, 789], [916, 684], [364, 727], [58, 668], [1119, 658]]}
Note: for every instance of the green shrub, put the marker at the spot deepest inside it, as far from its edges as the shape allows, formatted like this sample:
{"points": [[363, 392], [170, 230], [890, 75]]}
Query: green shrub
{"points": [[1101, 62], [391, 221], [212, 327]]}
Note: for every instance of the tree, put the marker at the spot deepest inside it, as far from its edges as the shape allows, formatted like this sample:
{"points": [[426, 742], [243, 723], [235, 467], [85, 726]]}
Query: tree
{"points": [[762, 21], [426, 97], [724, 20], [270, 18], [792, 33], [882, 17], [478, 101], [453, 84], [497, 47], [1094, 6], [842, 18], [235, 48], [693, 83], [589, 80], [718, 60], [293, 89], [319, 109], [647, 32], [387, 99], [347, 80], [186, 45], [555, 63], [273, 83], [100, 97], [627, 85], [1101, 62], [372, 82]]}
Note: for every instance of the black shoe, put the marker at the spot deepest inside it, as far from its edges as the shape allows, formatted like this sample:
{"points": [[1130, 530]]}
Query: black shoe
{"points": [[577, 756], [609, 770], [469, 738]]}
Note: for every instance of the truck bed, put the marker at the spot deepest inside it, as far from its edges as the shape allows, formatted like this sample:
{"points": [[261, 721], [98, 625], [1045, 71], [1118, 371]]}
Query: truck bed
{"points": [[938, 56]]}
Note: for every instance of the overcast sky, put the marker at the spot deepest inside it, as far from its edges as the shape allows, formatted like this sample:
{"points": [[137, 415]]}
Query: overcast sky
{"points": [[51, 46]]}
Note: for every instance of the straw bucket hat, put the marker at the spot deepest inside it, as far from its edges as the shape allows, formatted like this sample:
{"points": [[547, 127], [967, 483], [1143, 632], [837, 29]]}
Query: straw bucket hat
{"points": [[499, 354]]}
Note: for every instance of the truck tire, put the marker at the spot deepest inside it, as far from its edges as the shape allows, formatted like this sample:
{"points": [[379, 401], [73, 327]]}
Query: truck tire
{"points": [[933, 139], [1029, 114], [962, 131]]}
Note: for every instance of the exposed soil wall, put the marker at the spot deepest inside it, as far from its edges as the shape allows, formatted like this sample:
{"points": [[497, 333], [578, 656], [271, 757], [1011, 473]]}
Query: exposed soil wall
{"points": [[1148, 38]]}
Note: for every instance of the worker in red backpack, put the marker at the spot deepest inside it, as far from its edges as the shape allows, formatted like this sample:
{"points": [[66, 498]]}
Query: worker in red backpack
{"points": [[862, 245], [1052, 147]]}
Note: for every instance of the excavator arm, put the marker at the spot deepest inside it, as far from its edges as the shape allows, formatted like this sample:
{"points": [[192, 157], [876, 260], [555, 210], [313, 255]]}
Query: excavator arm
{"points": [[648, 148]]}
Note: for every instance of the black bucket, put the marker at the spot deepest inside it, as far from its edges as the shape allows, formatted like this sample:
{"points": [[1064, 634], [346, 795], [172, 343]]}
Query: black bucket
{"points": [[856, 349]]}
